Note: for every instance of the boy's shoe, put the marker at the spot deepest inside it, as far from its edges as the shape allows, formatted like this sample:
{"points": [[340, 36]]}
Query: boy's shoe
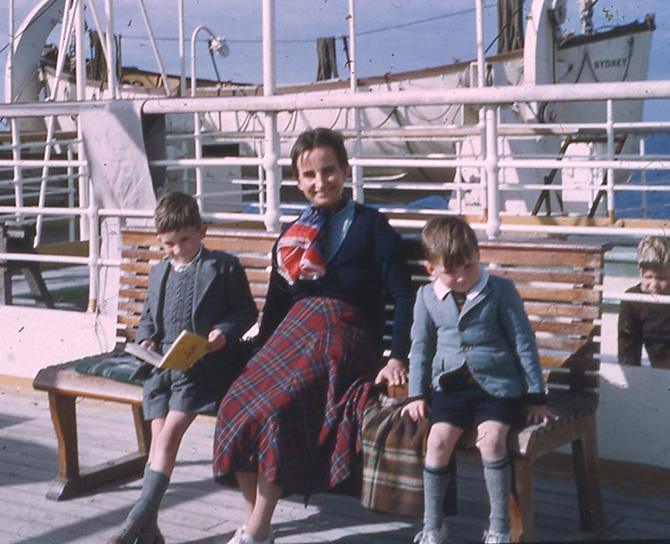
{"points": [[493, 537], [240, 537], [432, 537]]}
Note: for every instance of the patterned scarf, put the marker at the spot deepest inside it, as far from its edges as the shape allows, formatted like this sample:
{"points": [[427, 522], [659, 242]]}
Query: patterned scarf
{"points": [[299, 256]]}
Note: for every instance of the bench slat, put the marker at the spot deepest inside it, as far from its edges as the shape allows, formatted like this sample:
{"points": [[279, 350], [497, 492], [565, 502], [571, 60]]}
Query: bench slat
{"points": [[572, 328], [142, 268], [249, 245], [561, 343], [547, 309], [531, 257], [559, 295], [129, 306], [135, 281], [133, 294], [527, 275], [134, 254]]}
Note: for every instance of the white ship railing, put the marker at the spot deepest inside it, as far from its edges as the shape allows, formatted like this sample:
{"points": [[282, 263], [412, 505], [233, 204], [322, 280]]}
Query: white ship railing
{"points": [[490, 128], [489, 162]]}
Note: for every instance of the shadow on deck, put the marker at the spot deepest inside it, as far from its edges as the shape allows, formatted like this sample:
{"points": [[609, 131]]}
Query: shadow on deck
{"points": [[196, 511]]}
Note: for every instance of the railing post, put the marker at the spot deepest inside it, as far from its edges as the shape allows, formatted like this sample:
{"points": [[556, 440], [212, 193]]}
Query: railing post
{"points": [[93, 254], [111, 50], [643, 178], [182, 49], [271, 136], [491, 165], [357, 170], [610, 156], [197, 132], [13, 122]]}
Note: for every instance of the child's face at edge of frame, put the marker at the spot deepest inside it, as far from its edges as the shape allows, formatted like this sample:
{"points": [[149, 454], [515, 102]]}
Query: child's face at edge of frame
{"points": [[459, 279], [182, 245], [655, 282], [320, 176]]}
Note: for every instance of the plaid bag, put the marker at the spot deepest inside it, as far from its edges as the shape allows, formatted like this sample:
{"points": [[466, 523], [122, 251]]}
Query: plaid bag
{"points": [[393, 453]]}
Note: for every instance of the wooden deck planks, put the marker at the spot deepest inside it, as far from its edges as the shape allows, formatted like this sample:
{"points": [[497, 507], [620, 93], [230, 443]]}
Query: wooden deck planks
{"points": [[195, 510]]}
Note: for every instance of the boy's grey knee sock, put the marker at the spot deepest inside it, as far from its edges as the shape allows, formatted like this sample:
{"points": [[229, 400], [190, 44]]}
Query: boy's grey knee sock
{"points": [[498, 484], [154, 486], [435, 482], [150, 531]]}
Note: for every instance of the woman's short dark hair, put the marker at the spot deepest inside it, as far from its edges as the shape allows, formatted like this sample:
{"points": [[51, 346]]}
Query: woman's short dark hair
{"points": [[448, 241], [176, 211], [319, 137]]}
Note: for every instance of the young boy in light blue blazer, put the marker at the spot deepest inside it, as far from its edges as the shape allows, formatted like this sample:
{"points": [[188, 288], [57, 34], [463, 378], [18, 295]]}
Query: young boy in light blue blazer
{"points": [[473, 363]]}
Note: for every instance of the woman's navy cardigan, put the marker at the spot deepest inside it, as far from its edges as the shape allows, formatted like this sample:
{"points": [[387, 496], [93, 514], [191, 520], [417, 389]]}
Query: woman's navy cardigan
{"points": [[368, 267]]}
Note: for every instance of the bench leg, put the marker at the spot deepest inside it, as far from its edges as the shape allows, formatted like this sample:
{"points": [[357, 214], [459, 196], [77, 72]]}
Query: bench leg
{"points": [[71, 479], [64, 417], [521, 500], [587, 478], [142, 430]]}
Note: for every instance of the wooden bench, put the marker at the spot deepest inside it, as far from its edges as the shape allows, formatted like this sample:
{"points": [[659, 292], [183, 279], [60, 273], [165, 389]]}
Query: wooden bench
{"points": [[559, 283]]}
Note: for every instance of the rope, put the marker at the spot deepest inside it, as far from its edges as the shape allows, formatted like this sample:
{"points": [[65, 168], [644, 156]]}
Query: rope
{"points": [[325, 50], [510, 26]]}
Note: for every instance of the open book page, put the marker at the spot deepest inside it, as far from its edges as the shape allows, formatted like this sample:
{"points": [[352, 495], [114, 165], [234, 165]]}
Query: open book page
{"points": [[185, 350], [145, 354]]}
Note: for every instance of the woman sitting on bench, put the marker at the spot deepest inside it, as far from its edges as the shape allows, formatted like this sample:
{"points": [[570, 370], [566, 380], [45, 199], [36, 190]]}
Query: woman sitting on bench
{"points": [[291, 423]]}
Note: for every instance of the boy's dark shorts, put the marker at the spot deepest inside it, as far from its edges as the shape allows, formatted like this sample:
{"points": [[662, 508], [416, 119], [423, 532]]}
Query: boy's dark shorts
{"points": [[197, 391], [470, 406]]}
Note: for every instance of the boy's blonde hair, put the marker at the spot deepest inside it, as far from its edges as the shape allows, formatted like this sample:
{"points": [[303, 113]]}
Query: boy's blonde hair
{"points": [[448, 241], [176, 211], [653, 253]]}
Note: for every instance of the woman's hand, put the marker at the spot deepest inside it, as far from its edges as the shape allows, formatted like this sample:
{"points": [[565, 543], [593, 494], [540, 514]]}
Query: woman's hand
{"points": [[538, 413], [417, 409], [149, 344], [215, 341], [394, 373]]}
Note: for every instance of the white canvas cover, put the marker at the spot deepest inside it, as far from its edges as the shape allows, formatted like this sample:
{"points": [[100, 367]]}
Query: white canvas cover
{"points": [[117, 159]]}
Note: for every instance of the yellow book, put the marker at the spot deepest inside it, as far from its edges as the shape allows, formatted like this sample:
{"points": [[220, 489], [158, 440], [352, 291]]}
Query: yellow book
{"points": [[185, 350]]}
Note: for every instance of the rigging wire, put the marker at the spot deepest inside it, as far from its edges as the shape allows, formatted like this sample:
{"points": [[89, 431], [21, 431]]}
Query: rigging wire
{"points": [[364, 33]]}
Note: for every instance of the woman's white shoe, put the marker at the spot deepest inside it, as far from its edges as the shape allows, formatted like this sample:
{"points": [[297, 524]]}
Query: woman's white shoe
{"points": [[240, 537]]}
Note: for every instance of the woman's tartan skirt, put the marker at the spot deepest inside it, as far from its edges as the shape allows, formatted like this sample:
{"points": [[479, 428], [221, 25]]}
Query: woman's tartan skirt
{"points": [[295, 414]]}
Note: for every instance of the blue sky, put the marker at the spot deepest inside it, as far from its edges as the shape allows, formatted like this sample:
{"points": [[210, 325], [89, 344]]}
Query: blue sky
{"points": [[418, 33]]}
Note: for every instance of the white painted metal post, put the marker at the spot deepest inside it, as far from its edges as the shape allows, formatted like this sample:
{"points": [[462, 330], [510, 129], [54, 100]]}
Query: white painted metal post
{"points": [[82, 171], [10, 53], [154, 46], [111, 50], [70, 194], [357, 170], [479, 16], [93, 255], [493, 208], [13, 122], [197, 130], [610, 156], [182, 50], [74, 19], [271, 136], [485, 180], [80, 50], [643, 178]]}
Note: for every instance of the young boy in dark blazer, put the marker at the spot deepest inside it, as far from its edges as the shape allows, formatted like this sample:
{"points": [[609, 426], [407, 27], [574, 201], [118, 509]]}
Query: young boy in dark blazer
{"points": [[202, 291], [646, 323]]}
